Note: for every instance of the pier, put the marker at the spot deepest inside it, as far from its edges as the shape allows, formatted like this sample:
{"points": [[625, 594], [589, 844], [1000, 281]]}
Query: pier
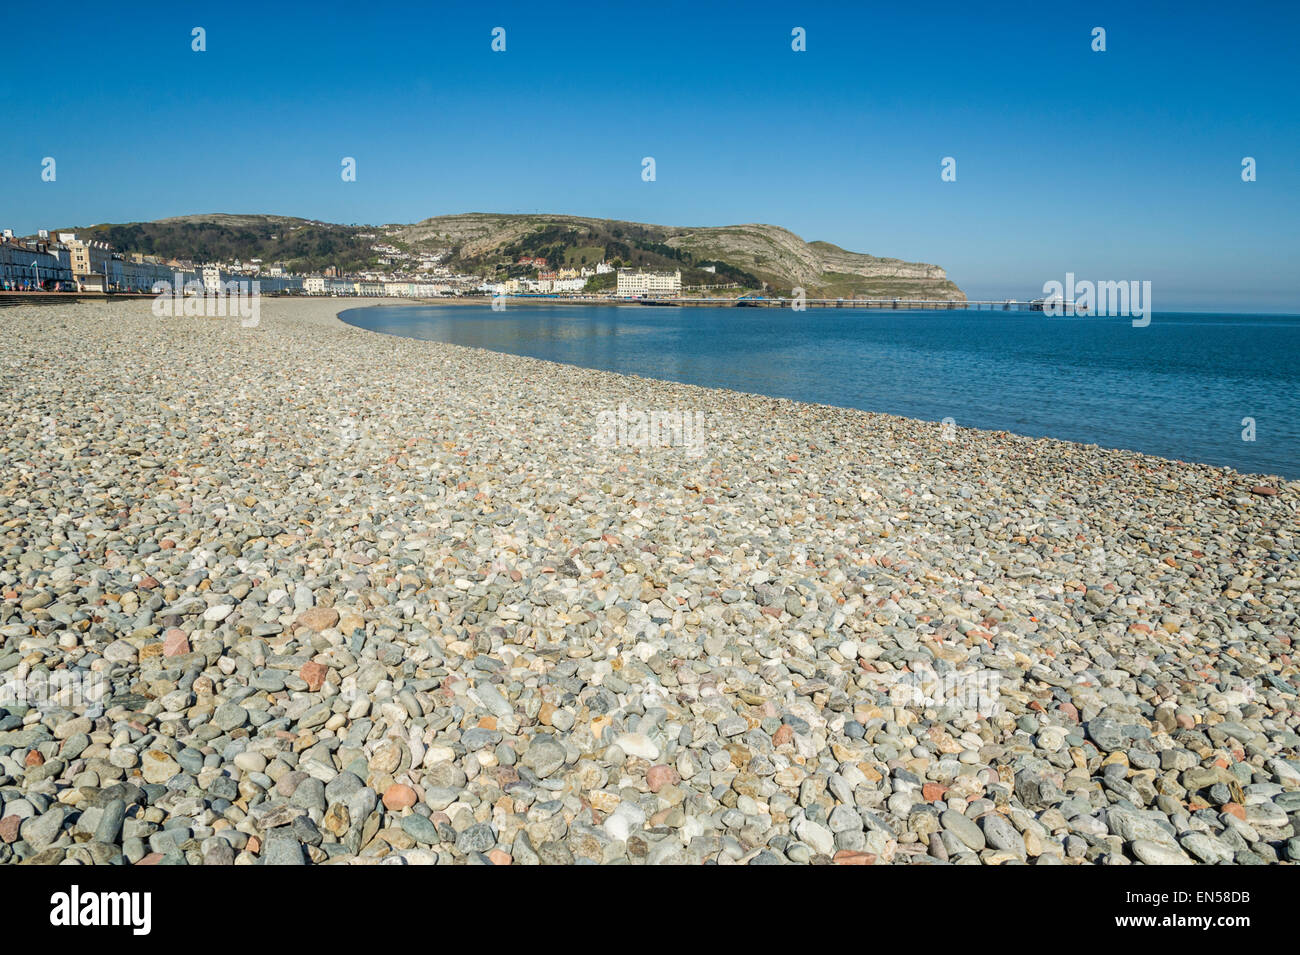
{"points": [[897, 304]]}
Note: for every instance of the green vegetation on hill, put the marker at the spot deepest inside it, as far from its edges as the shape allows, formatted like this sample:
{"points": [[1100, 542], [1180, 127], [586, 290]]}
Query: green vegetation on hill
{"points": [[764, 258], [580, 255], [302, 245], [620, 243]]}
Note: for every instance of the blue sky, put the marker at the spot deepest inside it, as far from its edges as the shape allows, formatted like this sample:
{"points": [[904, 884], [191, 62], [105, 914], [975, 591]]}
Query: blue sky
{"points": [[1117, 165]]}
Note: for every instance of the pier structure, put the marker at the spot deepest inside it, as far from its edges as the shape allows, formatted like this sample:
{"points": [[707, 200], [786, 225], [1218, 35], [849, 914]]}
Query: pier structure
{"points": [[897, 304]]}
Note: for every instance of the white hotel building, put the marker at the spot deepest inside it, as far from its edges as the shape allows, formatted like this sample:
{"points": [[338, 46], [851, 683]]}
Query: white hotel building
{"points": [[649, 284]]}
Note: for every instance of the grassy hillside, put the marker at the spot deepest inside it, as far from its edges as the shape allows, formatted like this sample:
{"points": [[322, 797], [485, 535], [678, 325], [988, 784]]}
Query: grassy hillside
{"points": [[754, 256], [301, 244]]}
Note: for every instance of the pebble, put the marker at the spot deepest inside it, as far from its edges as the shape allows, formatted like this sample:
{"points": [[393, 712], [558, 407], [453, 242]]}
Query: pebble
{"points": [[398, 797], [1001, 834], [282, 848], [40, 831], [961, 827], [817, 836], [544, 756], [176, 644], [313, 674], [421, 829], [477, 838], [878, 649], [318, 618], [637, 744], [158, 767], [1159, 853], [109, 827], [229, 716]]}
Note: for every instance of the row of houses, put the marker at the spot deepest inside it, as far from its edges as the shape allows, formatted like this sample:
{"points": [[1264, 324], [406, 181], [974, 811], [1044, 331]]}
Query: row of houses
{"points": [[547, 282], [67, 263], [32, 266], [214, 277], [540, 285], [630, 284], [322, 285]]}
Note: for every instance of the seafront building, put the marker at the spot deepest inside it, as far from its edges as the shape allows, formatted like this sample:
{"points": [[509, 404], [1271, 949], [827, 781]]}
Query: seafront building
{"points": [[89, 257], [412, 289], [68, 264], [145, 273], [638, 284], [33, 267], [95, 264], [370, 285], [215, 278]]}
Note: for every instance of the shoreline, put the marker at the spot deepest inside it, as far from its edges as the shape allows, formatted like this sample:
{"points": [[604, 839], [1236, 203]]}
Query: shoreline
{"points": [[1250, 478], [356, 598]]}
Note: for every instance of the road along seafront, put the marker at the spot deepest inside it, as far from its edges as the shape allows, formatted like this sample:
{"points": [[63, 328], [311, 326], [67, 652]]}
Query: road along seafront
{"points": [[302, 593]]}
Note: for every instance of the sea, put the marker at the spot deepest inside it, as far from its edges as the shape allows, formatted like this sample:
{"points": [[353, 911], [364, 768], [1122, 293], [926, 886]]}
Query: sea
{"points": [[1219, 389]]}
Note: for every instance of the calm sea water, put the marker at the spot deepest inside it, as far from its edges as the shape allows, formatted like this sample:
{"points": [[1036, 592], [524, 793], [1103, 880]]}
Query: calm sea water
{"points": [[1178, 388]]}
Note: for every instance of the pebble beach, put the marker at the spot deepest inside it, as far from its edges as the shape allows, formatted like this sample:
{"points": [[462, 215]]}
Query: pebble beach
{"points": [[300, 593]]}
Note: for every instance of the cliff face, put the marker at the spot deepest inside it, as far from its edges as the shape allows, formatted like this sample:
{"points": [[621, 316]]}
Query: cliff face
{"points": [[783, 259], [475, 234], [767, 253]]}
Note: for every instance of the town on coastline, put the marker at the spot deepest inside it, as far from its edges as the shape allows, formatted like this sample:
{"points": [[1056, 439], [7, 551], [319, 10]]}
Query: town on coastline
{"points": [[63, 262], [384, 263]]}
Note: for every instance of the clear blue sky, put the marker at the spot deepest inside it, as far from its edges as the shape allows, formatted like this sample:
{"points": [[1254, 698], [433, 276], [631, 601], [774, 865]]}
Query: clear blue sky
{"points": [[1117, 165]]}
